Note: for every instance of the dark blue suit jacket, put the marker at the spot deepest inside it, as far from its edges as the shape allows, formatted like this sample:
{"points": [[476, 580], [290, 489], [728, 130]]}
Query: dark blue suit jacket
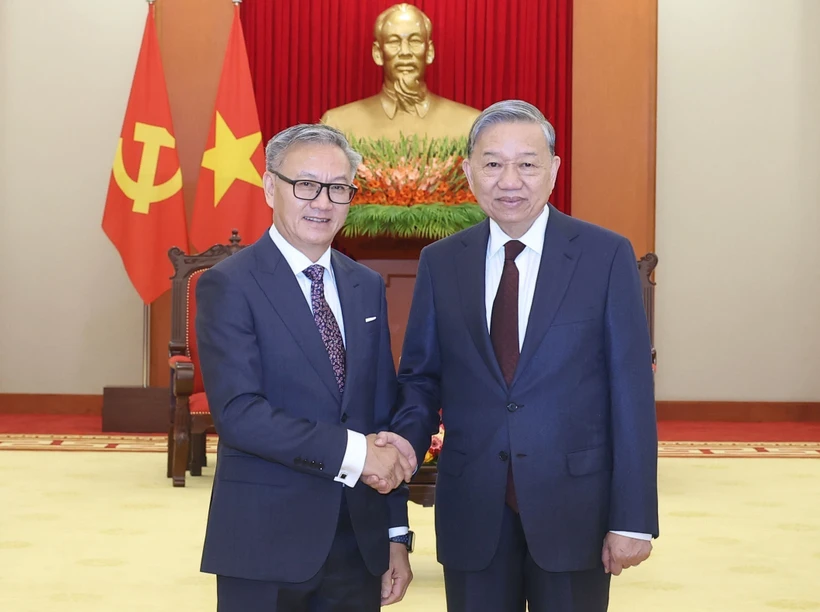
{"points": [[578, 422], [282, 421]]}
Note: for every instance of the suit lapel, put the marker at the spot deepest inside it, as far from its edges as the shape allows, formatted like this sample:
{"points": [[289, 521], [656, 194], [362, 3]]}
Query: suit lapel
{"points": [[278, 283], [347, 283], [558, 261], [471, 268]]}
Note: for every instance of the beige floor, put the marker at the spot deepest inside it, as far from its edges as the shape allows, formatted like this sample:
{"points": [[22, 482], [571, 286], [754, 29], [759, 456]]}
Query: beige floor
{"points": [[87, 532]]}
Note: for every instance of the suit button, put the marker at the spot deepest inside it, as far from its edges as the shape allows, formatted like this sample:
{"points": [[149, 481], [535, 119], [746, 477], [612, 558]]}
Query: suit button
{"points": [[512, 407], [503, 456], [344, 418], [313, 464], [321, 466]]}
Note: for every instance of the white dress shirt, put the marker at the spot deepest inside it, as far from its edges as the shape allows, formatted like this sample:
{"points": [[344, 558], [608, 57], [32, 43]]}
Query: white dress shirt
{"points": [[356, 451], [528, 263]]}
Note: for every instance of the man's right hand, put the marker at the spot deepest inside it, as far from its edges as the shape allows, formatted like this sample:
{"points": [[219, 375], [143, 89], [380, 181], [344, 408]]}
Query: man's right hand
{"points": [[385, 467], [404, 447]]}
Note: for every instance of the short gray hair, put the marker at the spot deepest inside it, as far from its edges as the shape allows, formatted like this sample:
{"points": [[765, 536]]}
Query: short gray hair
{"points": [[310, 133], [510, 111]]}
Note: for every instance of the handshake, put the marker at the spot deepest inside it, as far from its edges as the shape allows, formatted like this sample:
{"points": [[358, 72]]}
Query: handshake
{"points": [[390, 460]]}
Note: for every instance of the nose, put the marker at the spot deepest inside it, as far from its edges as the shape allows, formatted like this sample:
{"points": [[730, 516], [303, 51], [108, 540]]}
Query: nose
{"points": [[322, 201], [405, 47], [509, 178]]}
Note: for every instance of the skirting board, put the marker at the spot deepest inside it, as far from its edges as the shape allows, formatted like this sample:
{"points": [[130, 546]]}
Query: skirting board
{"points": [[744, 412], [50, 403]]}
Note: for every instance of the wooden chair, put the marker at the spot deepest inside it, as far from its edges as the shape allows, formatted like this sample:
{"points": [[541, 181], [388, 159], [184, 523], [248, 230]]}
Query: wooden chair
{"points": [[646, 265], [190, 417], [423, 485]]}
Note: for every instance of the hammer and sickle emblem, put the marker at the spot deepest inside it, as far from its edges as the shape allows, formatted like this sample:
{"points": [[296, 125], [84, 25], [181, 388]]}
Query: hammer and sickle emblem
{"points": [[143, 192]]}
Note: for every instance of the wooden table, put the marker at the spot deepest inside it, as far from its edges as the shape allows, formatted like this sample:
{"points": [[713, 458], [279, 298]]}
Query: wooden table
{"points": [[423, 486]]}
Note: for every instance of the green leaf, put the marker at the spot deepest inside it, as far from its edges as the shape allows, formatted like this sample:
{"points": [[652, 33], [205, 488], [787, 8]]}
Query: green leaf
{"points": [[432, 221]]}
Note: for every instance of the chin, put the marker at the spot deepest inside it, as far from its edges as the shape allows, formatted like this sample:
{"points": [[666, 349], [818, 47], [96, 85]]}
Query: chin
{"points": [[514, 212], [408, 74]]}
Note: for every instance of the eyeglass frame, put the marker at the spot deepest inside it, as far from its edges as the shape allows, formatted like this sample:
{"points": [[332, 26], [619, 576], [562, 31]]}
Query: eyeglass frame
{"points": [[322, 185]]}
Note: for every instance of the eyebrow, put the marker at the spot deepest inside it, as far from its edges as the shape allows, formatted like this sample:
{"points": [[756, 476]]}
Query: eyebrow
{"points": [[497, 154]]}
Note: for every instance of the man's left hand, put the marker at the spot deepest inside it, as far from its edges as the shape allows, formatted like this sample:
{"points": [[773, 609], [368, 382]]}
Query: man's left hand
{"points": [[396, 580], [621, 552]]}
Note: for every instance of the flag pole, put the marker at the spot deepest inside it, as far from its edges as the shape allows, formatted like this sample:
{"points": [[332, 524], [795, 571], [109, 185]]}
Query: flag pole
{"points": [[146, 345], [146, 323]]}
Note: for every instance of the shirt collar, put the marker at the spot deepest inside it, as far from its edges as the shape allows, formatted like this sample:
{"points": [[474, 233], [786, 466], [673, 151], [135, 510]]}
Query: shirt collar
{"points": [[533, 238], [297, 260]]}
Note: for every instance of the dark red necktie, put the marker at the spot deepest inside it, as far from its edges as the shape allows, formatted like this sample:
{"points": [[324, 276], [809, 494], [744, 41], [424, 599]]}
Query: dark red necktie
{"points": [[504, 332]]}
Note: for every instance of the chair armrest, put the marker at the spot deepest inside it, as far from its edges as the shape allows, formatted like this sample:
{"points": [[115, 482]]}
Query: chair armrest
{"points": [[182, 376]]}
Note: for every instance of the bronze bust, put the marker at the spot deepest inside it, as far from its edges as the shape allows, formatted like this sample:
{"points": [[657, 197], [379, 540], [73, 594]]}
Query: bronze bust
{"points": [[403, 47]]}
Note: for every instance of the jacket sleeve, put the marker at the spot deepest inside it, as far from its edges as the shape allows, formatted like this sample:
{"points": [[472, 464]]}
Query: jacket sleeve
{"points": [[634, 495], [417, 411], [385, 403]]}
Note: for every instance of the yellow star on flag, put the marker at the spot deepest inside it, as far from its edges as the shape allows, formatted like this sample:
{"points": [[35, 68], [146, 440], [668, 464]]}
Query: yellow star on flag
{"points": [[230, 159]]}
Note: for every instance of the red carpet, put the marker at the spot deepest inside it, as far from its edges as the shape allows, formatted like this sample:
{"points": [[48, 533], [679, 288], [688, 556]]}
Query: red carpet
{"points": [[720, 431], [669, 431]]}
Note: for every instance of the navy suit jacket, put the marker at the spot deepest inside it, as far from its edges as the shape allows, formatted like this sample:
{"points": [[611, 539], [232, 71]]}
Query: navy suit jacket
{"points": [[282, 421], [578, 421]]}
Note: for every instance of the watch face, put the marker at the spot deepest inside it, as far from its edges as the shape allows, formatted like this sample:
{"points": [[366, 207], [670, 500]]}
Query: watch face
{"points": [[411, 543]]}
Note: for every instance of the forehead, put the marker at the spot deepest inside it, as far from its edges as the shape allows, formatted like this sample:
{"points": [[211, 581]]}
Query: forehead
{"points": [[315, 157], [403, 23], [512, 138]]}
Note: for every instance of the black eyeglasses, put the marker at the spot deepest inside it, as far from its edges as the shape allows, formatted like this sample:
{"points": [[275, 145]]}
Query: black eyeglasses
{"points": [[304, 189]]}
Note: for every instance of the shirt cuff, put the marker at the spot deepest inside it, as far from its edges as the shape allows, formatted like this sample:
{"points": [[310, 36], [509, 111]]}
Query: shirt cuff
{"points": [[353, 461], [632, 534], [397, 531]]}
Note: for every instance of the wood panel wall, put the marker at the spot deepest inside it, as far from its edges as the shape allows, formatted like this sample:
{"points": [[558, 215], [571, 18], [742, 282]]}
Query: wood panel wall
{"points": [[613, 117]]}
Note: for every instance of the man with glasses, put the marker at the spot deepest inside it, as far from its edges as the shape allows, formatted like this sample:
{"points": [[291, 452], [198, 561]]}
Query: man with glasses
{"points": [[295, 352]]}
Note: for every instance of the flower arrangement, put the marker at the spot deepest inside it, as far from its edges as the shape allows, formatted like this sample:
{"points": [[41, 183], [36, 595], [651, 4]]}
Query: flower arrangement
{"points": [[411, 188], [436, 442]]}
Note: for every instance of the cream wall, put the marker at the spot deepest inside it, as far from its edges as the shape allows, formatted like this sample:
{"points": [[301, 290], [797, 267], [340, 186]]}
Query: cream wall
{"points": [[65, 74], [738, 200]]}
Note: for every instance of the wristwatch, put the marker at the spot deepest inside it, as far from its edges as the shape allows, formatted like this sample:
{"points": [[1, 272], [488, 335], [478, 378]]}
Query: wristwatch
{"points": [[408, 540]]}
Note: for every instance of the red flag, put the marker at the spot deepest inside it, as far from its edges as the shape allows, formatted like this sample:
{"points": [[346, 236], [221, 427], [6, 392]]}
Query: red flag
{"points": [[144, 211], [229, 192]]}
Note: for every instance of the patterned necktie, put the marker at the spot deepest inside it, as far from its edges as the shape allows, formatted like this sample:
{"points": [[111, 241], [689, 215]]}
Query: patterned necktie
{"points": [[326, 322], [504, 333]]}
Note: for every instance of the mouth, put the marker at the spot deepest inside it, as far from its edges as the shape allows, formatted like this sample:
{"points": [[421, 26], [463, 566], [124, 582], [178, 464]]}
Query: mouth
{"points": [[510, 200], [319, 220]]}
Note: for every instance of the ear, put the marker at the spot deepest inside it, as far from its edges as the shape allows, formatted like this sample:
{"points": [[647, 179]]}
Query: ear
{"points": [[556, 163], [468, 172], [268, 182], [431, 53], [378, 58]]}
